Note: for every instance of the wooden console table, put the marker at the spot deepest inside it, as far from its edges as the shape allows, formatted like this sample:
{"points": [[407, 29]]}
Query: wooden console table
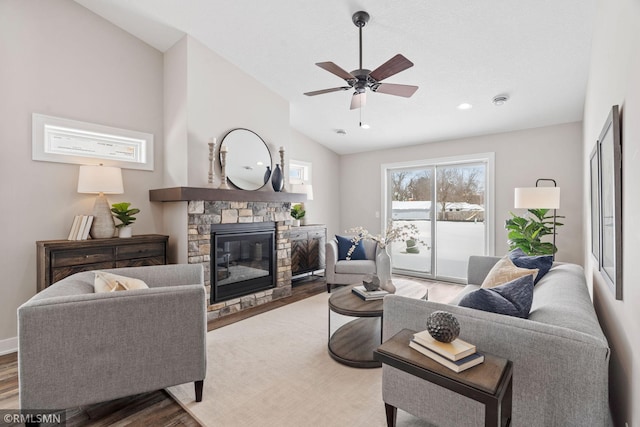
{"points": [[57, 259], [489, 383]]}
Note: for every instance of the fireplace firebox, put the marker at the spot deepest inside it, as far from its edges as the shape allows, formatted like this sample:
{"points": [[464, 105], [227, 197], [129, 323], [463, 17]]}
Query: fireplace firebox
{"points": [[243, 259]]}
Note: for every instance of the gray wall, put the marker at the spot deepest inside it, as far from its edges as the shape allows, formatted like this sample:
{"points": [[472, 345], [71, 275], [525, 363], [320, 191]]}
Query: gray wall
{"points": [[521, 157], [60, 59], [614, 79], [198, 107]]}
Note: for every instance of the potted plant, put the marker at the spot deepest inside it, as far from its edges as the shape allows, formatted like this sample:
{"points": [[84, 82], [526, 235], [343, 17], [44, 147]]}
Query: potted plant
{"points": [[126, 216], [526, 232], [297, 212]]}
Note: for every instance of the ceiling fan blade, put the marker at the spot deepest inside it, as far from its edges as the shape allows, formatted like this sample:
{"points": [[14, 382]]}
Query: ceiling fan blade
{"points": [[393, 66], [398, 90], [358, 100], [333, 68], [333, 89]]}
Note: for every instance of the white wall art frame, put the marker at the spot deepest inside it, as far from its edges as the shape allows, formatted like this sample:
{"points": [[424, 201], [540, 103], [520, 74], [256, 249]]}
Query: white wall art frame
{"points": [[55, 139]]}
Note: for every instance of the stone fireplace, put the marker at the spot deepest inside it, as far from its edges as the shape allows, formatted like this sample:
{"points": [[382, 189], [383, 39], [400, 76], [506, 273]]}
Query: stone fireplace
{"points": [[211, 207], [243, 259]]}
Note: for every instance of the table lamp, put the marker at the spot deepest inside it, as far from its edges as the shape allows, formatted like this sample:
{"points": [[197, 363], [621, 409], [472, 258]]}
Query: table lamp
{"points": [[101, 180]]}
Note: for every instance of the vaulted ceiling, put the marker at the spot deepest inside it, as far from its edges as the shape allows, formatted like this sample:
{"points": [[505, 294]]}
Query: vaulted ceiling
{"points": [[534, 51]]}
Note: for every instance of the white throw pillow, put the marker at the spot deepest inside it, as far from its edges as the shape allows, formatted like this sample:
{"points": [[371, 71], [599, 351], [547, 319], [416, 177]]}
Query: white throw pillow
{"points": [[505, 271], [108, 282]]}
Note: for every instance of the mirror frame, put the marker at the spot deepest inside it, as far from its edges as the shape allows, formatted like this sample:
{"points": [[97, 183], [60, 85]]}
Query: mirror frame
{"points": [[255, 140]]}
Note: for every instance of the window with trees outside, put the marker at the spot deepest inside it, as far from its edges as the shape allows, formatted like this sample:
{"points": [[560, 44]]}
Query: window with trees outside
{"points": [[450, 202]]}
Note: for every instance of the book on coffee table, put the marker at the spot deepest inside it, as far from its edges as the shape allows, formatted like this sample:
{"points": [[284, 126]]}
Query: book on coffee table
{"points": [[454, 350], [366, 295], [456, 366]]}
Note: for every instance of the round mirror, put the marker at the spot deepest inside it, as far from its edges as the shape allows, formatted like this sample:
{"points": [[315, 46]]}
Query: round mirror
{"points": [[248, 164]]}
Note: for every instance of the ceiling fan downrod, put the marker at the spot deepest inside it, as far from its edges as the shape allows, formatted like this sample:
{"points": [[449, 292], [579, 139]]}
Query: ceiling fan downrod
{"points": [[360, 19]]}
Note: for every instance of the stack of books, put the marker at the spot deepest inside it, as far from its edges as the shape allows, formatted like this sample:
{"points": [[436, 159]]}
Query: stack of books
{"points": [[457, 355], [80, 227], [366, 295]]}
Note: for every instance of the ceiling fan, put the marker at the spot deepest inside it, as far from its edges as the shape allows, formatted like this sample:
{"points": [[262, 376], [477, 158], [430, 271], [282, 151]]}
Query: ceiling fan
{"points": [[361, 79]]}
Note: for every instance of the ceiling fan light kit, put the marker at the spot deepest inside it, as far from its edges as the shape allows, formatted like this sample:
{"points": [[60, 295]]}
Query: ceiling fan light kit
{"points": [[362, 78]]}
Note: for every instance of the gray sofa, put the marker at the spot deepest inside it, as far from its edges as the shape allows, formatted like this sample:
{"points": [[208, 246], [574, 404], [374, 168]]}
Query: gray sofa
{"points": [[560, 355], [77, 347]]}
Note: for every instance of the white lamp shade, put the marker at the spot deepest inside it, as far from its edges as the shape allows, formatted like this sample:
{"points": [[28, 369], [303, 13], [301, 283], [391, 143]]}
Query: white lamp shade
{"points": [[100, 179], [302, 188], [537, 198]]}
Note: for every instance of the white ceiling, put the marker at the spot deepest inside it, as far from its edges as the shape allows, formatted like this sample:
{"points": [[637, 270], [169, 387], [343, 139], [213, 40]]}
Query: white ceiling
{"points": [[535, 51]]}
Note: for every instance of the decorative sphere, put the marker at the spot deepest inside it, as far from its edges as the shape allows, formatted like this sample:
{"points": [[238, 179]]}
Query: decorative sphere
{"points": [[443, 326]]}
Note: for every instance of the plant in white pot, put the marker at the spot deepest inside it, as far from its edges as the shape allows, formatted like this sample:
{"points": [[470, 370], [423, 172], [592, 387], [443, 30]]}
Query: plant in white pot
{"points": [[126, 216], [297, 212]]}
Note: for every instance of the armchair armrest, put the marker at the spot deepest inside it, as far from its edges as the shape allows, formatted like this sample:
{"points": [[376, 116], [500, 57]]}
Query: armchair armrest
{"points": [[331, 258]]}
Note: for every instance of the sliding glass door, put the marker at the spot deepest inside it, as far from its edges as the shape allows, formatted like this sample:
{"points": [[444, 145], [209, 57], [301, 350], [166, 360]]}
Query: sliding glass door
{"points": [[447, 202]]}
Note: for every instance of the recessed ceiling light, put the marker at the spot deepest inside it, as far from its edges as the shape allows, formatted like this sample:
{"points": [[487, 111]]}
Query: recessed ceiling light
{"points": [[364, 126], [500, 100], [341, 132], [465, 106]]}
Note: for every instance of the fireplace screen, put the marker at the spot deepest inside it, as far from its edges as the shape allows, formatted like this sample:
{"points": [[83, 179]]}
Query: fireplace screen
{"points": [[242, 259]]}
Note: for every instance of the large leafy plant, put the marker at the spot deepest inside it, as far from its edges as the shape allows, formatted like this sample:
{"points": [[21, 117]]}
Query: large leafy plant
{"points": [[527, 232], [123, 213]]}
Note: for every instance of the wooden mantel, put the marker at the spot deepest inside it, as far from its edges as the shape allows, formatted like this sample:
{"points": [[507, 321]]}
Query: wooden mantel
{"points": [[186, 194]]}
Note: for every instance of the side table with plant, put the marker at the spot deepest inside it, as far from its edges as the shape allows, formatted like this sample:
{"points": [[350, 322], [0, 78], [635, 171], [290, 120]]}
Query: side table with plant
{"points": [[126, 216]]}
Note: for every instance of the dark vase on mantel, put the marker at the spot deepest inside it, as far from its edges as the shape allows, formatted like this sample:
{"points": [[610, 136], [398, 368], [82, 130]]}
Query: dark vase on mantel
{"points": [[277, 179], [267, 174]]}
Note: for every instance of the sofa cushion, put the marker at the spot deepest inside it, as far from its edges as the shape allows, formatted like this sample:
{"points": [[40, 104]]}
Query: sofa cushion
{"points": [[344, 244], [542, 262], [109, 282], [356, 267], [505, 271], [512, 299]]}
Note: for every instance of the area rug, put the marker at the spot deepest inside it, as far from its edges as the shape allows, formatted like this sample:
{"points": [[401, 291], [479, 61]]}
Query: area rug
{"points": [[273, 369]]}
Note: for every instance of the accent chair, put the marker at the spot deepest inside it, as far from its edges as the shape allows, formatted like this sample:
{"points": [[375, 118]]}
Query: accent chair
{"points": [[78, 347], [348, 272]]}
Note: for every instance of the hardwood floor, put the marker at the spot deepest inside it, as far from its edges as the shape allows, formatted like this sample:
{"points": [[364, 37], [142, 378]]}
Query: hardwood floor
{"points": [[147, 409]]}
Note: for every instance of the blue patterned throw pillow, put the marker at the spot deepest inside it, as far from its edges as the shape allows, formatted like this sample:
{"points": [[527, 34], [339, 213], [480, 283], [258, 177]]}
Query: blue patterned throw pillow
{"points": [[542, 262], [344, 244], [513, 298]]}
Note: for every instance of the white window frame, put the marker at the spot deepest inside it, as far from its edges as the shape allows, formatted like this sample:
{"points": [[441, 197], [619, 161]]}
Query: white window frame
{"points": [[60, 140], [487, 158], [299, 172]]}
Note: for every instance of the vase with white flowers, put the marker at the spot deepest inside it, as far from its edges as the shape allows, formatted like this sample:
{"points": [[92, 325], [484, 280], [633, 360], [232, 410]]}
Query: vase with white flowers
{"points": [[393, 233]]}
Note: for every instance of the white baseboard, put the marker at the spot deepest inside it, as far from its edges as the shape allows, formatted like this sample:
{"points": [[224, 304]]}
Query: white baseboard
{"points": [[9, 345]]}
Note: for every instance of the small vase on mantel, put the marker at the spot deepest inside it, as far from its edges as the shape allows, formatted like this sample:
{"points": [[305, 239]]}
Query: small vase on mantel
{"points": [[383, 270], [277, 179]]}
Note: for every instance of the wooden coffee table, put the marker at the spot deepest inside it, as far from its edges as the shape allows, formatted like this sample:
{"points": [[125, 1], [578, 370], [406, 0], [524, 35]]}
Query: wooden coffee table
{"points": [[353, 343]]}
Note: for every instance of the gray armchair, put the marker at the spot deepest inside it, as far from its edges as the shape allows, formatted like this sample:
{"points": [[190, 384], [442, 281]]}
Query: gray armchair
{"points": [[342, 272], [77, 347]]}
